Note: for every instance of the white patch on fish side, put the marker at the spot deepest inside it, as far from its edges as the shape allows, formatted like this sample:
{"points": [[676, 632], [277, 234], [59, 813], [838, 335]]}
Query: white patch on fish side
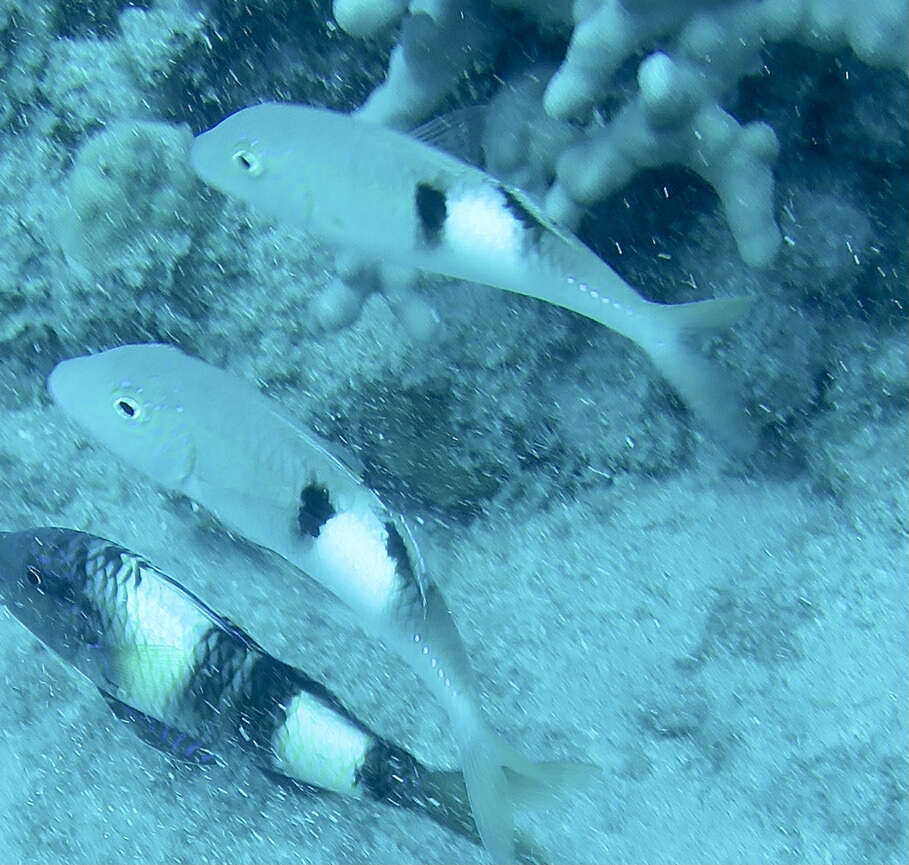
{"points": [[318, 746], [478, 221], [162, 630], [352, 549]]}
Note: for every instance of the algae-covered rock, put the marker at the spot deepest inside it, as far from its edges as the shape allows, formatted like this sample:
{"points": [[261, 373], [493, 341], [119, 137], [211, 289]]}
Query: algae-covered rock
{"points": [[128, 202]]}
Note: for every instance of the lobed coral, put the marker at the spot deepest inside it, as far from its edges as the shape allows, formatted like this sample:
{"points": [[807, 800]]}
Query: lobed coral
{"points": [[678, 114]]}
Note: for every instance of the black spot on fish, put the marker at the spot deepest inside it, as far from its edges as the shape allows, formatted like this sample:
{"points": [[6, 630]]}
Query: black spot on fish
{"points": [[521, 212], [397, 549], [315, 509], [431, 212]]}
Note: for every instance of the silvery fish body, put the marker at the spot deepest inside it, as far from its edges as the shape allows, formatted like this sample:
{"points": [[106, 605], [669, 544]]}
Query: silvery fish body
{"points": [[209, 435], [193, 684], [395, 199]]}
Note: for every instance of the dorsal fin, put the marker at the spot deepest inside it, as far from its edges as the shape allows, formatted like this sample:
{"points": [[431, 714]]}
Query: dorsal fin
{"points": [[458, 133]]}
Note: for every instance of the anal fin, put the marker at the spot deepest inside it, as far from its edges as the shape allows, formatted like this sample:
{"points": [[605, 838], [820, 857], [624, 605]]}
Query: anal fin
{"points": [[162, 737]]}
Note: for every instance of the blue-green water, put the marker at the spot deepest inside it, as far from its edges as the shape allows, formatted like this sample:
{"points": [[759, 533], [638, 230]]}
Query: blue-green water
{"points": [[727, 638]]}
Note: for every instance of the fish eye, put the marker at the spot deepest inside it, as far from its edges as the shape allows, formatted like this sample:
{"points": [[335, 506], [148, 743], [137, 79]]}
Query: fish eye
{"points": [[248, 162], [48, 583], [127, 407]]}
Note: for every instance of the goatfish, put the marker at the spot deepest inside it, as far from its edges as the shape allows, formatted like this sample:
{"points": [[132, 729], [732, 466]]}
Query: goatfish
{"points": [[202, 432], [393, 198], [195, 686]]}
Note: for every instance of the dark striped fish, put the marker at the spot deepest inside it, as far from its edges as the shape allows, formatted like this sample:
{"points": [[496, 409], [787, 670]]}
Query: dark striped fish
{"points": [[194, 685]]}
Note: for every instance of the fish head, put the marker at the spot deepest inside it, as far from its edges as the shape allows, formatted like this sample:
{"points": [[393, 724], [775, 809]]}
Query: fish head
{"points": [[42, 583], [262, 156], [128, 400]]}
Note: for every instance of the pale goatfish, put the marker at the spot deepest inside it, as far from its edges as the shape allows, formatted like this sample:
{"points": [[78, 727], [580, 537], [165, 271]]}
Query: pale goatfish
{"points": [[200, 431], [193, 685], [393, 198]]}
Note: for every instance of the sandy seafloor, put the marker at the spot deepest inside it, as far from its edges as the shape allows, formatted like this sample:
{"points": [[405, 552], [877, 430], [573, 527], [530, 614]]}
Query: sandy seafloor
{"points": [[727, 638]]}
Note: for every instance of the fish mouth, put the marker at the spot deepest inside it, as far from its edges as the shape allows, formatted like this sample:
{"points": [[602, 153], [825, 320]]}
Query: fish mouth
{"points": [[203, 156], [57, 381], [197, 155]]}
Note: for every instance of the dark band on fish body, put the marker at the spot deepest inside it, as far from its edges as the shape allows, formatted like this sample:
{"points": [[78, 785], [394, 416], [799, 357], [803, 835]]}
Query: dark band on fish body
{"points": [[520, 211], [45, 576], [265, 694], [64, 566], [77, 552], [432, 210], [397, 549], [388, 774], [115, 562], [122, 573], [315, 510], [392, 775], [58, 565], [212, 690]]}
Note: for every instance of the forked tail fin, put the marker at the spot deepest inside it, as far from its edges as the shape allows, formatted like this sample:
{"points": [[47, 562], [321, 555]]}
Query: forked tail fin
{"points": [[711, 394], [442, 796], [479, 801], [497, 778]]}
